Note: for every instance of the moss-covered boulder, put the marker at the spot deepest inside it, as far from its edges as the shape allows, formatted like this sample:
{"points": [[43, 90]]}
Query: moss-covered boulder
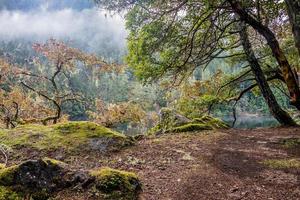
{"points": [[172, 122], [39, 179], [215, 123], [190, 127], [114, 184], [70, 136]]}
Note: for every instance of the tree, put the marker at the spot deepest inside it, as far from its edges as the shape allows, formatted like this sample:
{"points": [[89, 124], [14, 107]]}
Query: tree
{"points": [[16, 105], [43, 85], [282, 116], [293, 8], [289, 75], [173, 38], [53, 80]]}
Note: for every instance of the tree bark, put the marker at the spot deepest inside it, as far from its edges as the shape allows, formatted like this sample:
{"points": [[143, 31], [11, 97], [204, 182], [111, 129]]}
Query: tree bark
{"points": [[293, 8], [282, 116], [288, 74]]}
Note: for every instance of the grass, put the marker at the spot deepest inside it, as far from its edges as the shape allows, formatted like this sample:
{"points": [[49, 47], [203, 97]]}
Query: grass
{"points": [[282, 163], [290, 143]]}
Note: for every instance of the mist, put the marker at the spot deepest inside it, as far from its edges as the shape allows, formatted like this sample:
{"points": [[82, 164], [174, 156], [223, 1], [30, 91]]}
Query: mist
{"points": [[90, 29]]}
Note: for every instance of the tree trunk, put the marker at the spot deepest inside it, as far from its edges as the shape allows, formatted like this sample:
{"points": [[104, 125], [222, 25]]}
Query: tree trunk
{"points": [[282, 116], [288, 74], [293, 8]]}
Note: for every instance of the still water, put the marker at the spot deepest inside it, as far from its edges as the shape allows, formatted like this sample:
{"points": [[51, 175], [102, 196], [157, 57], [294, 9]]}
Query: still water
{"points": [[254, 121]]}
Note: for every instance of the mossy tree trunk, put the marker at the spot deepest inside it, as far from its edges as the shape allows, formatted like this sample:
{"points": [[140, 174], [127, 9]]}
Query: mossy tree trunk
{"points": [[293, 8], [282, 116], [289, 75]]}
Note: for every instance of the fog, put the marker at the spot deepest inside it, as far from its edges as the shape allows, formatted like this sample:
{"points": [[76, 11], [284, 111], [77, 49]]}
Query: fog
{"points": [[90, 28]]}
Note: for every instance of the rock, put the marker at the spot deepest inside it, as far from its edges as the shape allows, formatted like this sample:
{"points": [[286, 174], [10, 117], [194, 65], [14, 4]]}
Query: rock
{"points": [[43, 179], [38, 178], [66, 137], [169, 117], [190, 128], [115, 184], [172, 122]]}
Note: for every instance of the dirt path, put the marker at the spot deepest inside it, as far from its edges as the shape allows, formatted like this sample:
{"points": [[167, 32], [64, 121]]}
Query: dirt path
{"points": [[222, 165], [208, 165]]}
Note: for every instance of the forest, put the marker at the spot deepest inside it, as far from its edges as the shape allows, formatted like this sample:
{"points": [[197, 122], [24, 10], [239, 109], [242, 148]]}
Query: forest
{"points": [[149, 99]]}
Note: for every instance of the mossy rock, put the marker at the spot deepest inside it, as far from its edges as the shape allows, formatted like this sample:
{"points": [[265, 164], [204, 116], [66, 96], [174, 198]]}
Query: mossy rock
{"points": [[211, 121], [190, 128], [116, 184], [40, 178], [175, 123], [70, 136]]}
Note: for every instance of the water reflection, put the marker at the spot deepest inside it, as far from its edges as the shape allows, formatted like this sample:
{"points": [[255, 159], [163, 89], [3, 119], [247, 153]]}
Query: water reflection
{"points": [[253, 121]]}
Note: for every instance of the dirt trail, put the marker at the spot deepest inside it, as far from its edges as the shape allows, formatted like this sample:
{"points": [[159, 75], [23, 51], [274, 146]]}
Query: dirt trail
{"points": [[222, 165]]}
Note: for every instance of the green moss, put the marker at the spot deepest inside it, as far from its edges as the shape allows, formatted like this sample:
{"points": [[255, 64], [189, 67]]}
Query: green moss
{"points": [[117, 184], [290, 142], [282, 163], [86, 130], [190, 128], [7, 194], [211, 121], [154, 130], [69, 136], [12, 179], [169, 124], [7, 175], [2, 166]]}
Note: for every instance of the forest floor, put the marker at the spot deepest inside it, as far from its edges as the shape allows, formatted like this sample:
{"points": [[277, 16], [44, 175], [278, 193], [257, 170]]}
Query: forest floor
{"points": [[227, 164]]}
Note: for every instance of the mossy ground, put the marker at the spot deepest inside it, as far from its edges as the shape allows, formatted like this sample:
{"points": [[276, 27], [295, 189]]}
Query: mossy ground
{"points": [[290, 142], [68, 136], [7, 194], [282, 163], [7, 175]]}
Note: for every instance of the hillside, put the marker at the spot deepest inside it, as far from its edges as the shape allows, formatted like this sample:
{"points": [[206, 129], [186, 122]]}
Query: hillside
{"points": [[225, 164]]}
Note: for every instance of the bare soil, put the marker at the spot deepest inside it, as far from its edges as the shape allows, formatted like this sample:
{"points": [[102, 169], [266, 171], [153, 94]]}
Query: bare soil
{"points": [[214, 165]]}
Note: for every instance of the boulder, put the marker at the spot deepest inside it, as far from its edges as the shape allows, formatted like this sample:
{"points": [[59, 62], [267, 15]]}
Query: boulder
{"points": [[69, 137], [115, 184], [173, 122], [39, 179], [43, 179]]}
